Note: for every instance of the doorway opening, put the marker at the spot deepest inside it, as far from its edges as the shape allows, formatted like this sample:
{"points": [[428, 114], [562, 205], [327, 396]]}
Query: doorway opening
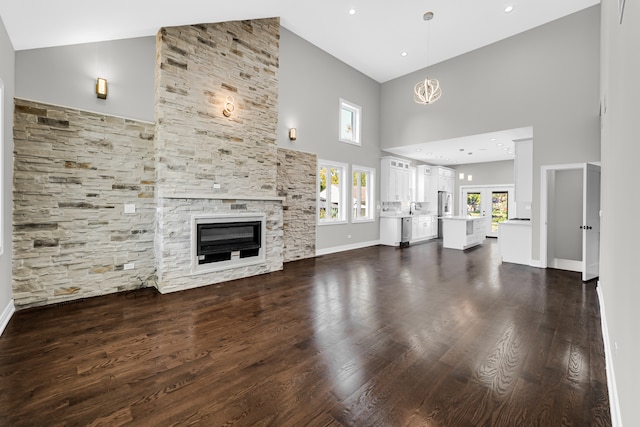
{"points": [[570, 218]]}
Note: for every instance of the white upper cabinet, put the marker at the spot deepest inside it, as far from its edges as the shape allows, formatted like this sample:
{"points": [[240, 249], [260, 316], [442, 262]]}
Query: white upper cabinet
{"points": [[395, 184]]}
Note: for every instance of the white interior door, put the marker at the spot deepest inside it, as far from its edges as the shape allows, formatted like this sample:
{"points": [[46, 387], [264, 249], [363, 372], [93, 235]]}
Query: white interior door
{"points": [[591, 223]]}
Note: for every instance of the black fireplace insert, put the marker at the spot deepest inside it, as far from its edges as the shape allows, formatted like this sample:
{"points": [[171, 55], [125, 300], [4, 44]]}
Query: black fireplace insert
{"points": [[218, 241]]}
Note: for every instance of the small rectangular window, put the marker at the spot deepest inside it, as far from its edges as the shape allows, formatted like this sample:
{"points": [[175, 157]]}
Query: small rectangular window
{"points": [[363, 185], [332, 186], [349, 122]]}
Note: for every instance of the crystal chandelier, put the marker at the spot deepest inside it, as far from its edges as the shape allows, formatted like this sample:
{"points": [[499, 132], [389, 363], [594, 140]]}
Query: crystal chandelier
{"points": [[427, 91]]}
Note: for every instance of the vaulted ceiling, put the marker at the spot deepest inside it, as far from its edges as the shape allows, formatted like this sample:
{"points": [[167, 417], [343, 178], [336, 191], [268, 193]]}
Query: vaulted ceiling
{"points": [[371, 39]]}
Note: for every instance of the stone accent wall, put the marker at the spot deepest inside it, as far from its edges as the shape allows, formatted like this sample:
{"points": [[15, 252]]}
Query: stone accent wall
{"points": [[174, 262], [208, 163], [297, 184], [198, 66], [73, 173]]}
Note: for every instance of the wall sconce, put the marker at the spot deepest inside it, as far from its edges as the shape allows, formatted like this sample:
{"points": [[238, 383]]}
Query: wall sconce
{"points": [[293, 134], [469, 178], [101, 88], [461, 176], [229, 106]]}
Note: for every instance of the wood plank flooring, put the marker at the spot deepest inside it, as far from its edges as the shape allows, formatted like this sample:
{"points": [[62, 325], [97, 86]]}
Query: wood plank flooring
{"points": [[421, 336]]}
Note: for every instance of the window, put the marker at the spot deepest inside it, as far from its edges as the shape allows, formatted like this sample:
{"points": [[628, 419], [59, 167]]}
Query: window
{"points": [[349, 122], [362, 196], [332, 185]]}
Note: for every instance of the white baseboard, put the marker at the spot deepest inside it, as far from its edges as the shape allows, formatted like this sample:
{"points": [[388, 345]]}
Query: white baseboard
{"points": [[566, 264], [6, 315], [536, 263], [343, 248], [614, 403]]}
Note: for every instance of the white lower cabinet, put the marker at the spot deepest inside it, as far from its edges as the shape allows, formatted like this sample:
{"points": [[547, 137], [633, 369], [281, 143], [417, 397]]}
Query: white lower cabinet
{"points": [[464, 232], [423, 227]]}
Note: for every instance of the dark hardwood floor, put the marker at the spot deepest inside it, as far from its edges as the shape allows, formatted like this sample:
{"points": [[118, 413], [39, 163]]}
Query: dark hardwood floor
{"points": [[422, 336]]}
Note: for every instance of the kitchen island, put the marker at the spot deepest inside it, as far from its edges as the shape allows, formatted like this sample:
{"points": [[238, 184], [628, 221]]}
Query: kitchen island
{"points": [[464, 232], [514, 238]]}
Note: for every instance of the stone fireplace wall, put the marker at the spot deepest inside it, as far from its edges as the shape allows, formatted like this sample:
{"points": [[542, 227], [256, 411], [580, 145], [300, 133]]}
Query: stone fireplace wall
{"points": [[297, 184], [198, 149], [206, 162], [73, 173]]}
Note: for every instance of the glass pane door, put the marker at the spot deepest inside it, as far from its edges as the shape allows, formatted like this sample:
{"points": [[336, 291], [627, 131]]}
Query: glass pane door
{"points": [[474, 203], [499, 209]]}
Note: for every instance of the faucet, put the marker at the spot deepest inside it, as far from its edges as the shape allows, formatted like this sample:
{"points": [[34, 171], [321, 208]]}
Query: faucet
{"points": [[410, 211]]}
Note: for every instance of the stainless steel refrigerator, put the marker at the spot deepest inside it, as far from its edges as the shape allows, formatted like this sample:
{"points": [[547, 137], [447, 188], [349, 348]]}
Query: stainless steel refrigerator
{"points": [[445, 208]]}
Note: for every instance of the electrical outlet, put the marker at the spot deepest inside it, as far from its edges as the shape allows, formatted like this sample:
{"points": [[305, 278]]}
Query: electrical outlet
{"points": [[216, 186], [129, 208], [129, 266]]}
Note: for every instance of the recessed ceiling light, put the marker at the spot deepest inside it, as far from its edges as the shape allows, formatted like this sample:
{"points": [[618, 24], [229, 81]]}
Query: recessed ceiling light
{"points": [[492, 139], [352, 11], [508, 9], [418, 149], [505, 149], [429, 154], [499, 144], [403, 54]]}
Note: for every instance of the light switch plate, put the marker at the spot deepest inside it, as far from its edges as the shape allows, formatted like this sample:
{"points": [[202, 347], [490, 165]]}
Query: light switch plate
{"points": [[129, 208], [129, 266]]}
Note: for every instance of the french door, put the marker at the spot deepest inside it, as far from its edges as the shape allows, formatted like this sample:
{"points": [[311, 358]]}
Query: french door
{"points": [[494, 201]]}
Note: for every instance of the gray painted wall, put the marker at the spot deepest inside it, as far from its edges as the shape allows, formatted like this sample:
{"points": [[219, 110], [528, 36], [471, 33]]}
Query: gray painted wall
{"points": [[490, 173], [311, 85], [539, 78], [619, 232], [567, 215], [67, 75], [7, 70]]}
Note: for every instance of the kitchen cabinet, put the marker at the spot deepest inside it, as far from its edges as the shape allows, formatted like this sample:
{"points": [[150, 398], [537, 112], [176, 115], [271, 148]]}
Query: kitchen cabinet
{"points": [[514, 238], [395, 184], [423, 185], [424, 227], [390, 230], [446, 179], [463, 232]]}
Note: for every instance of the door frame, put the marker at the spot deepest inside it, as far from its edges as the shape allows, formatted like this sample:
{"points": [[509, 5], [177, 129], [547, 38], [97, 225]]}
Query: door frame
{"points": [[544, 208], [510, 188]]}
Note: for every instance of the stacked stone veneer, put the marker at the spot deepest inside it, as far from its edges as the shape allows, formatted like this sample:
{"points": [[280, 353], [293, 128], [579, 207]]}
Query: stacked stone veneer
{"points": [[174, 231], [208, 163], [198, 66], [73, 173], [297, 185]]}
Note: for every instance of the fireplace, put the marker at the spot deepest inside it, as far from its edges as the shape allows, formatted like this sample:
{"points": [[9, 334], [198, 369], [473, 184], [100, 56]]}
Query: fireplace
{"points": [[227, 241]]}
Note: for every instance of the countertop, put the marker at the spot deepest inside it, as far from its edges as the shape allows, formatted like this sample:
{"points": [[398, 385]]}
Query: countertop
{"points": [[517, 222], [464, 218], [404, 214]]}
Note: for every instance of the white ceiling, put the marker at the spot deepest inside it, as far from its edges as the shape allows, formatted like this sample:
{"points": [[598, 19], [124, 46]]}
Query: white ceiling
{"points": [[487, 147], [370, 41]]}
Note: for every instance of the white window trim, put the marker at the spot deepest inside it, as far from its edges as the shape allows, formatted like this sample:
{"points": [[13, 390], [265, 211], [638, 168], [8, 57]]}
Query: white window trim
{"points": [[371, 191], [343, 192], [357, 111]]}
